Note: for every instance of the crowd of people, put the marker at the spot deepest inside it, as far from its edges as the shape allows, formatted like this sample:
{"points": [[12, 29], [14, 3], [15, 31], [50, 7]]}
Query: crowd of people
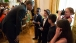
{"points": [[52, 29], [48, 29]]}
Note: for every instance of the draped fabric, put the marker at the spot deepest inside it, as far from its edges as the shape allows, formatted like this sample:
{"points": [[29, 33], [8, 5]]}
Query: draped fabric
{"points": [[74, 29], [35, 7], [53, 5]]}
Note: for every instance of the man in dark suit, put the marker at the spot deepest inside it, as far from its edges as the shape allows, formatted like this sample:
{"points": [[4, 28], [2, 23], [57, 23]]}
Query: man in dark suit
{"points": [[45, 26], [37, 21], [12, 22]]}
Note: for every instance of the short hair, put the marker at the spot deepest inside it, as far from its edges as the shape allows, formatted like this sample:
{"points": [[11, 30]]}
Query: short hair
{"points": [[29, 2], [52, 17], [1, 12], [22, 3], [38, 9], [47, 11]]}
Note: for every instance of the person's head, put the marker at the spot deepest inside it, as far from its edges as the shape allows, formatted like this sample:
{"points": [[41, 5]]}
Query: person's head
{"points": [[22, 3], [6, 6], [52, 18], [46, 13], [12, 7], [66, 30], [69, 11], [6, 11], [3, 11], [29, 5], [38, 10], [1, 5]]}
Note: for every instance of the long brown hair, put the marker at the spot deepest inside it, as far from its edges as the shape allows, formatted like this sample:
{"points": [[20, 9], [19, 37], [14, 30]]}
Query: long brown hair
{"points": [[66, 30]]}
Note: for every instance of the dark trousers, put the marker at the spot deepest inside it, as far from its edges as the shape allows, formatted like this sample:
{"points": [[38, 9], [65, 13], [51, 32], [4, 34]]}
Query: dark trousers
{"points": [[40, 36], [36, 32], [44, 38], [11, 39], [10, 32]]}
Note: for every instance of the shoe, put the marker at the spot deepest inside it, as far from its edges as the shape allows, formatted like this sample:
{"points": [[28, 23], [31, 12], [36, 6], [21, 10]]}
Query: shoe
{"points": [[39, 42], [34, 38]]}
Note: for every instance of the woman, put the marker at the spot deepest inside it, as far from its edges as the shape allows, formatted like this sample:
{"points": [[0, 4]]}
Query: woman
{"points": [[2, 15], [67, 15], [63, 33]]}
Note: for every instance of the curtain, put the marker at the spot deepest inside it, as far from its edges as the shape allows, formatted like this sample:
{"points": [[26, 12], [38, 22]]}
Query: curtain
{"points": [[53, 5], [35, 7], [74, 28]]}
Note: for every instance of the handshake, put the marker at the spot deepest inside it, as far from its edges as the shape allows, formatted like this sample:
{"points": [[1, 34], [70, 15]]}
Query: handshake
{"points": [[41, 28]]}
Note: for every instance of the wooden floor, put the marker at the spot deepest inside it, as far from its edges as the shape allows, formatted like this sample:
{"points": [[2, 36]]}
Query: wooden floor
{"points": [[25, 36]]}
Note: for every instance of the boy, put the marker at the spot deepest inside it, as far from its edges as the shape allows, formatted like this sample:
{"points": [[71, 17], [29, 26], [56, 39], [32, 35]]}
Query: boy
{"points": [[52, 28]]}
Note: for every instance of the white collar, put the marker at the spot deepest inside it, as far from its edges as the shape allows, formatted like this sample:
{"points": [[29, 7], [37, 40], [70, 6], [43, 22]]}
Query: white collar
{"points": [[46, 17]]}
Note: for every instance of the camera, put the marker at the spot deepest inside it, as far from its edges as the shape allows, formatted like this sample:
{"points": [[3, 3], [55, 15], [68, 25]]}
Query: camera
{"points": [[62, 12]]}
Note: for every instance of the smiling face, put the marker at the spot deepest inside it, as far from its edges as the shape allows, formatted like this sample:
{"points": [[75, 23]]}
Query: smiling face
{"points": [[69, 11], [45, 14], [29, 7]]}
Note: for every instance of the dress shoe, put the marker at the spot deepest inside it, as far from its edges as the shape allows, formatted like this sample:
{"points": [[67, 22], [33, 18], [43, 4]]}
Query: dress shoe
{"points": [[34, 38]]}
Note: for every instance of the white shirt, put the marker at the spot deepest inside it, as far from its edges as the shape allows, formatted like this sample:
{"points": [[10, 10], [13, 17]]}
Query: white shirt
{"points": [[44, 21]]}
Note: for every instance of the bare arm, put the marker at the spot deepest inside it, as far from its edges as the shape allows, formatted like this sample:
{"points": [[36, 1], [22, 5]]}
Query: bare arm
{"points": [[59, 16], [54, 39], [62, 40]]}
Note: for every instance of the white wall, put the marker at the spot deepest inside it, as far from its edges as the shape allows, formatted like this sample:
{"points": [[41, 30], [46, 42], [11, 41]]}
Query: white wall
{"points": [[68, 3], [43, 4], [13, 2]]}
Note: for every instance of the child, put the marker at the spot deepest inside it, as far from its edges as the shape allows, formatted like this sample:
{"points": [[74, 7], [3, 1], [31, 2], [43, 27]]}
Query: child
{"points": [[51, 19], [63, 32]]}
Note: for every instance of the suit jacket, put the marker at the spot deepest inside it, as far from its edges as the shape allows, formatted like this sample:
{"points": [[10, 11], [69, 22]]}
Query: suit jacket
{"points": [[12, 21], [32, 11], [37, 19], [45, 27]]}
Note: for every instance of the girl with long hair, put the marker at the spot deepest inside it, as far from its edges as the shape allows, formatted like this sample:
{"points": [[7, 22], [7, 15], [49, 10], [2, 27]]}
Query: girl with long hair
{"points": [[63, 33]]}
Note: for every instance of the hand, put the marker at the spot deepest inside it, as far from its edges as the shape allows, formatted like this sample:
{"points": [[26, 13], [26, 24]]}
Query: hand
{"points": [[38, 23], [59, 15], [70, 20], [58, 32], [59, 12], [26, 17], [41, 29], [33, 21], [17, 39]]}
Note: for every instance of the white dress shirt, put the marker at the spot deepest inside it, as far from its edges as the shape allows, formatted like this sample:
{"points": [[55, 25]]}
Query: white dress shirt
{"points": [[44, 21]]}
